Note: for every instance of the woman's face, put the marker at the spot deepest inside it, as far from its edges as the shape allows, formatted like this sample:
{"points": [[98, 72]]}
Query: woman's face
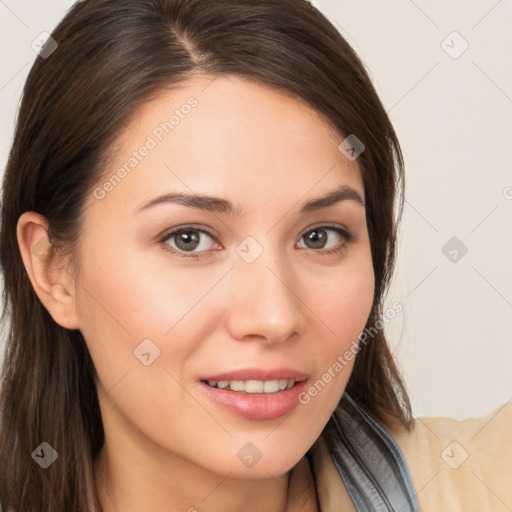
{"points": [[257, 287]]}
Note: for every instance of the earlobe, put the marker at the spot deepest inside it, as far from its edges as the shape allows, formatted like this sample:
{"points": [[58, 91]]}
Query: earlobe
{"points": [[47, 272]]}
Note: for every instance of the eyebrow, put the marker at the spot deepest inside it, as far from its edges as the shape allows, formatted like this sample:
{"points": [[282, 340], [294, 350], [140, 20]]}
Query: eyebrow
{"points": [[224, 206]]}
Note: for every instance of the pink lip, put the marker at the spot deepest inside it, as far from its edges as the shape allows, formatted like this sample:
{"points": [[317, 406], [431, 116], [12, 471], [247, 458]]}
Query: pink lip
{"points": [[259, 374], [257, 406]]}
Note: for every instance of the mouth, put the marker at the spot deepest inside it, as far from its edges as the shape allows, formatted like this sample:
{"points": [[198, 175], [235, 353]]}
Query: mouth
{"points": [[256, 394]]}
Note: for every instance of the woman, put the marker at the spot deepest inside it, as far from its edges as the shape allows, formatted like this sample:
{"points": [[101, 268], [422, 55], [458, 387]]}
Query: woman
{"points": [[197, 232]]}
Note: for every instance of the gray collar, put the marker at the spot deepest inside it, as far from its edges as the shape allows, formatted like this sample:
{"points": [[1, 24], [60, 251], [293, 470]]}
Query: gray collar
{"points": [[368, 461]]}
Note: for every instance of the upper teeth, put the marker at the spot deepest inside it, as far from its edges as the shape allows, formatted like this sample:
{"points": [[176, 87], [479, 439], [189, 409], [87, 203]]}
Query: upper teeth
{"points": [[253, 386]]}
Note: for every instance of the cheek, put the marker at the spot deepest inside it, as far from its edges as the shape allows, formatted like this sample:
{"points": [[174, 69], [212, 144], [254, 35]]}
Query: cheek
{"points": [[345, 302], [124, 302], [134, 296], [342, 307]]}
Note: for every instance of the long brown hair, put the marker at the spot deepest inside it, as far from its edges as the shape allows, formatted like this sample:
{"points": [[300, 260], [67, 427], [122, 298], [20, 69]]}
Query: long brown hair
{"points": [[112, 56]]}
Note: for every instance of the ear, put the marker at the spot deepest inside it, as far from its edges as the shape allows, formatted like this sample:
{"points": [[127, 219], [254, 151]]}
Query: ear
{"points": [[46, 270]]}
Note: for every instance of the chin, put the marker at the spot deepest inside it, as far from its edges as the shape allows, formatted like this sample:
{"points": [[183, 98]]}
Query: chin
{"points": [[262, 456], [273, 465]]}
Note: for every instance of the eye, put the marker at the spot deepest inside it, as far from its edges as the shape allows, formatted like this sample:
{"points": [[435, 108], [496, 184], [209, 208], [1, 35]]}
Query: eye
{"points": [[318, 238], [189, 240]]}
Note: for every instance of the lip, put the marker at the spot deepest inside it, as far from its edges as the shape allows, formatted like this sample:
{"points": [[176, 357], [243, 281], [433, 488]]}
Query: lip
{"points": [[257, 406], [259, 374]]}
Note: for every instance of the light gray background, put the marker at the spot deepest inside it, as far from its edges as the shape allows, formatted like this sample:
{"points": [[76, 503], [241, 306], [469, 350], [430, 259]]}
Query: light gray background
{"points": [[452, 111]]}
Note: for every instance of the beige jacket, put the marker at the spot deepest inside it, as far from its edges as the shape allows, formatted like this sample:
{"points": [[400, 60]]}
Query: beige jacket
{"points": [[454, 465]]}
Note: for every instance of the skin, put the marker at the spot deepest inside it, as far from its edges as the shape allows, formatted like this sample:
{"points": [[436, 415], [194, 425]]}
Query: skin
{"points": [[168, 446]]}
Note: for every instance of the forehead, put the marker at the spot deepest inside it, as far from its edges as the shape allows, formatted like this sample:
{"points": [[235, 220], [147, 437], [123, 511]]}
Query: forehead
{"points": [[226, 136]]}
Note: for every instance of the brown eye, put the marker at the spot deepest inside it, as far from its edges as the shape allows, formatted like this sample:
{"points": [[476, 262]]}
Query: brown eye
{"points": [[319, 237], [188, 240], [316, 239]]}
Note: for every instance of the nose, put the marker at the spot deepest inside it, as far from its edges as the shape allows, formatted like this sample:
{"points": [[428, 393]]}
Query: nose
{"points": [[264, 305]]}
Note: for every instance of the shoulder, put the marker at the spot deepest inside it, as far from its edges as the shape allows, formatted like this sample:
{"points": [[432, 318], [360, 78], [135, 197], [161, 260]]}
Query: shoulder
{"points": [[460, 464]]}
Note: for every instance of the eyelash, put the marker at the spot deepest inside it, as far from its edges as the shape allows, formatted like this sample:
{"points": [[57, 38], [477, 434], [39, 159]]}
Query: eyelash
{"points": [[344, 233]]}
